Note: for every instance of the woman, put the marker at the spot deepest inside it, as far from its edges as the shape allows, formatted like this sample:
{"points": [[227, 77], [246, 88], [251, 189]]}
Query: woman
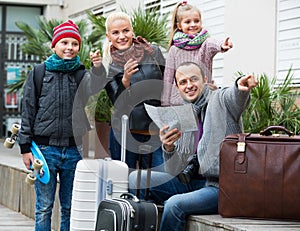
{"points": [[136, 68]]}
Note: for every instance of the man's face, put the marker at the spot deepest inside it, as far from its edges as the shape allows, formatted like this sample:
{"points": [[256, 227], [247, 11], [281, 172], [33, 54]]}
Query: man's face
{"points": [[189, 82]]}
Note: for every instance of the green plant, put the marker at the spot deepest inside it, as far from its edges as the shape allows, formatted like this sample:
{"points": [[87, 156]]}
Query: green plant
{"points": [[103, 107], [150, 25], [272, 104]]}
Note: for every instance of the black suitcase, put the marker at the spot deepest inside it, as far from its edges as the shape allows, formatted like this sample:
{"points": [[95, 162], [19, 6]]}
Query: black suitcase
{"points": [[126, 213]]}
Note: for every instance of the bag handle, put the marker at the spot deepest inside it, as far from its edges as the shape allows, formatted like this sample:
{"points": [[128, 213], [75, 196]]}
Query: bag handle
{"points": [[129, 196], [267, 131]]}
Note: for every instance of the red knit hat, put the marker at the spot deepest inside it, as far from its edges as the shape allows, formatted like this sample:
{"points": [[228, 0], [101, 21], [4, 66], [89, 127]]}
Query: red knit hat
{"points": [[67, 29]]}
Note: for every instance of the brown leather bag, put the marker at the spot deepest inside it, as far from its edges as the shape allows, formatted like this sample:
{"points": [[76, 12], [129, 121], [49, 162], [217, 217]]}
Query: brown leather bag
{"points": [[260, 175]]}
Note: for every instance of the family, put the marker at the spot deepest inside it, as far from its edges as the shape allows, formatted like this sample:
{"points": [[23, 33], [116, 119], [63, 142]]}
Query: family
{"points": [[137, 73]]}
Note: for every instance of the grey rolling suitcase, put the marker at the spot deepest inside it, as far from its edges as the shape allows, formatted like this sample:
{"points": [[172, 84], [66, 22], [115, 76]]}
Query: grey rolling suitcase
{"points": [[126, 213], [94, 181]]}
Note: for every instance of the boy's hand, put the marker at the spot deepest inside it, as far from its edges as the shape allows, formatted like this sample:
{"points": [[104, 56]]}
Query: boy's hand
{"points": [[27, 159]]}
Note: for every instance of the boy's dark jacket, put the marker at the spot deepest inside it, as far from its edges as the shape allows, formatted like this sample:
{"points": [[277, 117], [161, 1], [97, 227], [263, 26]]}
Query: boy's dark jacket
{"points": [[51, 118]]}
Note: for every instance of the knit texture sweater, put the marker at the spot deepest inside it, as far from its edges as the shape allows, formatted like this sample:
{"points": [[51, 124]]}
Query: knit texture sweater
{"points": [[222, 117], [203, 56]]}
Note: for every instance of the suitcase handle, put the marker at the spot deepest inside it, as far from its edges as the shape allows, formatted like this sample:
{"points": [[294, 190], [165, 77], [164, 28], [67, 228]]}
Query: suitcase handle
{"points": [[267, 131], [129, 196]]}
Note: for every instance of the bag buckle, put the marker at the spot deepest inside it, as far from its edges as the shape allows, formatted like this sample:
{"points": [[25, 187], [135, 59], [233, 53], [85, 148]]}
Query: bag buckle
{"points": [[241, 146]]}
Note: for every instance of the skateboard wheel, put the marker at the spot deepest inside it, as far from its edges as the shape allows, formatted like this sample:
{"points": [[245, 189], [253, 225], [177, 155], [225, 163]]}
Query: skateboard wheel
{"points": [[30, 179], [15, 128], [9, 143], [37, 164]]}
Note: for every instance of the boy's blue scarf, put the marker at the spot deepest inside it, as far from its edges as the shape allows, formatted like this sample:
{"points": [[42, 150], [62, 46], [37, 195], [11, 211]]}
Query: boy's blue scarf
{"points": [[55, 63]]}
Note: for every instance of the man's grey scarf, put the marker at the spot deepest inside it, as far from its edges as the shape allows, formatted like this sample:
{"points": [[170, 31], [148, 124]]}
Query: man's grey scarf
{"points": [[199, 106]]}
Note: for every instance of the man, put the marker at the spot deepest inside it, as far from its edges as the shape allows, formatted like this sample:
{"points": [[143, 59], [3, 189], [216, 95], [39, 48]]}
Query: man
{"points": [[219, 112]]}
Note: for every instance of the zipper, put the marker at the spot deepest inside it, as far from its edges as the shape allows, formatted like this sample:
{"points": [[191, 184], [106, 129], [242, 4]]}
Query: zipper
{"points": [[60, 104]]}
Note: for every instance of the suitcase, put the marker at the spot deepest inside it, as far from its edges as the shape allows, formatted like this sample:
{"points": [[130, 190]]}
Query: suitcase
{"points": [[127, 212], [94, 181], [259, 175]]}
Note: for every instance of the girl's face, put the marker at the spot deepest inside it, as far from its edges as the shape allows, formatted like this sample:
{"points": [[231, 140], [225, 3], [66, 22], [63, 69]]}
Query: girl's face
{"points": [[190, 22], [66, 48], [120, 34]]}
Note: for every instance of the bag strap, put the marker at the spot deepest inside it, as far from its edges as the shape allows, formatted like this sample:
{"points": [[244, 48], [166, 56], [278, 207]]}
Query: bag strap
{"points": [[39, 73]]}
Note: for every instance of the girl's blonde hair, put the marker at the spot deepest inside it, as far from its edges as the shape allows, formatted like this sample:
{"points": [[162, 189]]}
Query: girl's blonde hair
{"points": [[177, 17], [112, 17]]}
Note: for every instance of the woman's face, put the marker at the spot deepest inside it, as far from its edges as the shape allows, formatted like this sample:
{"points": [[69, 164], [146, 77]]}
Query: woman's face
{"points": [[120, 34]]}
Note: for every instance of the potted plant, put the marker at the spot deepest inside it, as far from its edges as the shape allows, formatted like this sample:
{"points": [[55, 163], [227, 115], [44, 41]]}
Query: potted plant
{"points": [[273, 104]]}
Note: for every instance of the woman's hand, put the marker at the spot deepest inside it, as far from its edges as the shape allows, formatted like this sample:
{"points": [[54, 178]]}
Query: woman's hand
{"points": [[129, 69]]}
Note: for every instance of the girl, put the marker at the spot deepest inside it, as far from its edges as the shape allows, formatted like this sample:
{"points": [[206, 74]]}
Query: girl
{"points": [[189, 42]]}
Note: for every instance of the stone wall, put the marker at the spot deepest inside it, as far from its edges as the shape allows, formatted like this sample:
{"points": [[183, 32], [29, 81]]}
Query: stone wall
{"points": [[19, 196]]}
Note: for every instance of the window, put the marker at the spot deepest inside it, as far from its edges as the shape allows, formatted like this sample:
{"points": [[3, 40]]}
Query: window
{"points": [[212, 12], [288, 43], [24, 14]]}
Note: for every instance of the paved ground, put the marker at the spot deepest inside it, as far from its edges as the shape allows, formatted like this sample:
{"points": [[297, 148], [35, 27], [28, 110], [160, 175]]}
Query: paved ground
{"points": [[11, 220]]}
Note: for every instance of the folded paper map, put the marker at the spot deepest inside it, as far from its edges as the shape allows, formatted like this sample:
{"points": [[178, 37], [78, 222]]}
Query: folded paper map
{"points": [[181, 117]]}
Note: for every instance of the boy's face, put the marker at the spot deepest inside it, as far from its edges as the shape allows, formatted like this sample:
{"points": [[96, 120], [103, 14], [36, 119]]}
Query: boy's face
{"points": [[189, 82], [67, 48]]}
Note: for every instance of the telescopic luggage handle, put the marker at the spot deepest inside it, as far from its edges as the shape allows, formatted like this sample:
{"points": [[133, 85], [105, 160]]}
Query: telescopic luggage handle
{"points": [[124, 137]]}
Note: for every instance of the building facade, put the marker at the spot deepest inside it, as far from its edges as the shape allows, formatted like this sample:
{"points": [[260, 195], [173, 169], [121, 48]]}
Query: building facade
{"points": [[265, 35]]}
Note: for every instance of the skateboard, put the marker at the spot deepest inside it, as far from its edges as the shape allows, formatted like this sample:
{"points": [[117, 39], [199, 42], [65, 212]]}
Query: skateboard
{"points": [[39, 167]]}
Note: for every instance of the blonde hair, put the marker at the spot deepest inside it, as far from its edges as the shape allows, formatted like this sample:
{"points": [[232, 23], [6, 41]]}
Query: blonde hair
{"points": [[177, 17], [112, 17]]}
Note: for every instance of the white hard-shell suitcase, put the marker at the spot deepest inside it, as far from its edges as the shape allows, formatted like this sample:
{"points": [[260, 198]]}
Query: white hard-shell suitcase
{"points": [[94, 181]]}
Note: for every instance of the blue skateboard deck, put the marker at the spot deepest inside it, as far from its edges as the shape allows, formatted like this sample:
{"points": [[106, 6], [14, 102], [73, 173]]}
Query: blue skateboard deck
{"points": [[40, 172], [44, 176]]}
